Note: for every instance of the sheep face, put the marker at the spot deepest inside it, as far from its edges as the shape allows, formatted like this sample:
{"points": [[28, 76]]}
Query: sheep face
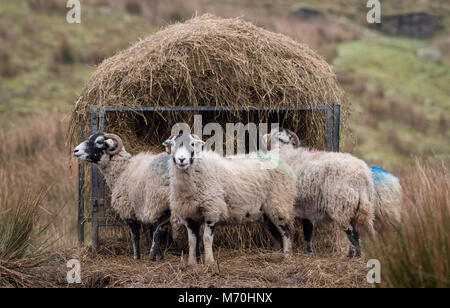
{"points": [[281, 137], [96, 146], [183, 148]]}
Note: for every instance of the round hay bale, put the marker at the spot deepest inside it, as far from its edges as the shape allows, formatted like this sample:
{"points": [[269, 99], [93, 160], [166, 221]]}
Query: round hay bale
{"points": [[210, 61]]}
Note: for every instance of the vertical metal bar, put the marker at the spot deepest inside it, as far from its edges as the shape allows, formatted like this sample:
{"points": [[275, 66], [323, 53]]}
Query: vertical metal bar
{"points": [[337, 123], [94, 209], [80, 224], [329, 129], [102, 178]]}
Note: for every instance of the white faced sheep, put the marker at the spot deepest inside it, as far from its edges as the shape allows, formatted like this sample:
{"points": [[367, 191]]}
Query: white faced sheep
{"points": [[330, 186], [139, 185], [388, 191], [208, 188]]}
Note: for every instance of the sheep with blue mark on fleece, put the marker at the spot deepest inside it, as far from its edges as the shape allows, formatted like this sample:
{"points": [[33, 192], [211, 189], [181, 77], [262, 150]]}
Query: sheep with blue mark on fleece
{"points": [[335, 187]]}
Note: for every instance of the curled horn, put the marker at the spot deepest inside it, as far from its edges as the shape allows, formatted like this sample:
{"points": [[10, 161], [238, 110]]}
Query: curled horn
{"points": [[295, 137], [117, 140]]}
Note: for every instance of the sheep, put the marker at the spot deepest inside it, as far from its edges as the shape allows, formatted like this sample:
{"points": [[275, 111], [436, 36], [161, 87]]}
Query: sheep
{"points": [[335, 187], [388, 192], [139, 185], [388, 198], [208, 188]]}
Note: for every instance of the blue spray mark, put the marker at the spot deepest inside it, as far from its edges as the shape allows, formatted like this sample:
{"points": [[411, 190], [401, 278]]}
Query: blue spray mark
{"points": [[379, 174], [161, 165]]}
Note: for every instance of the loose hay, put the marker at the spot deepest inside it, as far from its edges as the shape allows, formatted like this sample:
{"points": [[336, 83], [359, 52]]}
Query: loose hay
{"points": [[210, 61], [250, 268]]}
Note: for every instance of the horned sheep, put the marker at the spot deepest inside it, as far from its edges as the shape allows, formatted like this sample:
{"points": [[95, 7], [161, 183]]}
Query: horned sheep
{"points": [[208, 188], [139, 185]]}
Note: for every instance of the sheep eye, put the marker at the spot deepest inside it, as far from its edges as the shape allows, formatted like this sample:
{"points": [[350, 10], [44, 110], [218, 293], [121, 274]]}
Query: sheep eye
{"points": [[100, 141], [192, 144]]}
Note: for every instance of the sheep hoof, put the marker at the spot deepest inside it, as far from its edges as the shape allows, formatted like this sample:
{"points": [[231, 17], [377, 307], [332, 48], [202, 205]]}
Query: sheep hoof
{"points": [[155, 256], [310, 253], [137, 257], [287, 255], [353, 253]]}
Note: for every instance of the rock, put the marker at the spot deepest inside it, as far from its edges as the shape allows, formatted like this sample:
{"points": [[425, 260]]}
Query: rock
{"points": [[307, 14], [430, 54], [411, 24]]}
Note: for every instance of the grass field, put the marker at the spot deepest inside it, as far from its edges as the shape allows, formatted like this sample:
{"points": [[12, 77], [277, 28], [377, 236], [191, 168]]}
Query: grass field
{"points": [[401, 115]]}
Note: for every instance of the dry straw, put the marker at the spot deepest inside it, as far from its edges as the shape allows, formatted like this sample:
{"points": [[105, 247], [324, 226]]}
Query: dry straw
{"points": [[209, 61]]}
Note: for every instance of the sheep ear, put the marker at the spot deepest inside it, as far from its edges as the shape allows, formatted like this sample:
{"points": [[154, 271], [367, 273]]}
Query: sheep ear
{"points": [[295, 137], [201, 142], [197, 140], [167, 144]]}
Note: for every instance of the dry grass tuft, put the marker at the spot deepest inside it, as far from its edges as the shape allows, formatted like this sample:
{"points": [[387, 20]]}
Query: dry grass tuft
{"points": [[22, 249], [33, 157], [417, 253], [210, 61]]}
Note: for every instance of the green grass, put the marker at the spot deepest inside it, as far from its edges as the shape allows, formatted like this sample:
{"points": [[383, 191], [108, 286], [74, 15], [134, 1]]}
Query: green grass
{"points": [[414, 97], [34, 41], [395, 63]]}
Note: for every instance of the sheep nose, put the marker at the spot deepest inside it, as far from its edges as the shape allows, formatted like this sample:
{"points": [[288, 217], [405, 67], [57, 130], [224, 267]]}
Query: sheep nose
{"points": [[181, 160]]}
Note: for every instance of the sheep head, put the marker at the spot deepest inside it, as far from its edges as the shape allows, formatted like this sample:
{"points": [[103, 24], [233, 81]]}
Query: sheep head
{"points": [[98, 145], [281, 136], [183, 148]]}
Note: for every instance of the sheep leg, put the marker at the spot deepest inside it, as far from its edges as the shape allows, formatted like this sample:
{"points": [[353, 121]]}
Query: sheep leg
{"points": [[135, 236], [193, 228], [155, 251], [208, 237], [353, 236], [275, 233], [308, 228], [286, 237]]}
